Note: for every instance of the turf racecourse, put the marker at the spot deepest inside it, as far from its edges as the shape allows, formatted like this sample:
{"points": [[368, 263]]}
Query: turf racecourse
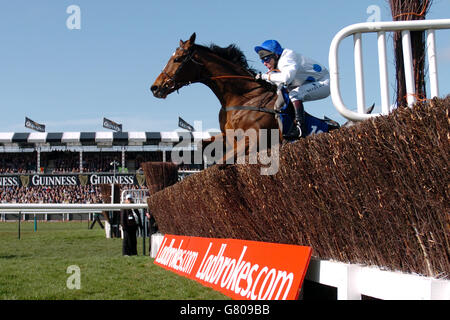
{"points": [[35, 267]]}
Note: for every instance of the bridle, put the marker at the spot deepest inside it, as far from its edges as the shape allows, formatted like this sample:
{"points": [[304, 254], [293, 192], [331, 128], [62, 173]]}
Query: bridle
{"points": [[176, 85], [190, 57]]}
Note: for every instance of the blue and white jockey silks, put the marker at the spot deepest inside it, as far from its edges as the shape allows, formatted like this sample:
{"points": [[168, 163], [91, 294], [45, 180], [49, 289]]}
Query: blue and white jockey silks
{"points": [[305, 79]]}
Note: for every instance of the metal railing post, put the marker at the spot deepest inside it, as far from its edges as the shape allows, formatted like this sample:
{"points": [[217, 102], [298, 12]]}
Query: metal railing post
{"points": [[20, 215], [144, 231], [409, 69], [359, 73], [405, 27], [384, 82], [432, 63]]}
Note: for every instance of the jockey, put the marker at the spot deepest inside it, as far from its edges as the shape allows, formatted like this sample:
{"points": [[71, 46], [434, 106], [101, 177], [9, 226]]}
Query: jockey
{"points": [[304, 78]]}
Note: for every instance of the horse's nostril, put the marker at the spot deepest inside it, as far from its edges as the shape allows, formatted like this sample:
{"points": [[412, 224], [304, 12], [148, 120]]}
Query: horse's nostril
{"points": [[154, 88]]}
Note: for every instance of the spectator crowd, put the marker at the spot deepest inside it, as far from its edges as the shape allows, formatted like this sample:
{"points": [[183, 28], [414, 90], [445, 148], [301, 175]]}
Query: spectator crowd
{"points": [[62, 162], [58, 162], [47, 194], [54, 194], [13, 163]]}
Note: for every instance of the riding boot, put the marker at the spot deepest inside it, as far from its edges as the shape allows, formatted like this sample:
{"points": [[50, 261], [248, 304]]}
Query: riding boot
{"points": [[300, 118], [293, 133]]}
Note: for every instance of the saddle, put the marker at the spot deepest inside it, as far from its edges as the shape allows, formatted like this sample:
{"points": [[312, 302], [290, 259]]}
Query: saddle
{"points": [[286, 118]]}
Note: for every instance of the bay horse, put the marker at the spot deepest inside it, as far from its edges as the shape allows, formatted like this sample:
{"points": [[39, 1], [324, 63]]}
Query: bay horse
{"points": [[246, 103]]}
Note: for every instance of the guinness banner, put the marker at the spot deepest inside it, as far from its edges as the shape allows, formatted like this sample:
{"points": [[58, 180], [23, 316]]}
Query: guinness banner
{"points": [[30, 124], [70, 180], [109, 124]]}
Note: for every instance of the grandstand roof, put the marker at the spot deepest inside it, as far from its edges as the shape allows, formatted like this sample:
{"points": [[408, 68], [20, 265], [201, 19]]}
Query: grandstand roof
{"points": [[30, 139]]}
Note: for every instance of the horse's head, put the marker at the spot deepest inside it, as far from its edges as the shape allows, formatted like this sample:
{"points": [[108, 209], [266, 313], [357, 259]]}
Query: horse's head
{"points": [[179, 71]]}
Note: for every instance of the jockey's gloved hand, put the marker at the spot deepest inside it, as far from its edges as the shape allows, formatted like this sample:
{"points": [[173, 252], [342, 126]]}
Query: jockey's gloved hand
{"points": [[261, 76]]}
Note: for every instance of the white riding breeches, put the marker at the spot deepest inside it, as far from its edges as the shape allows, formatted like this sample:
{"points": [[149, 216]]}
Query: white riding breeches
{"points": [[311, 91]]}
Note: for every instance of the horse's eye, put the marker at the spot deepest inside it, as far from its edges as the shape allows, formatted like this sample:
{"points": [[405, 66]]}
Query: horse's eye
{"points": [[178, 59]]}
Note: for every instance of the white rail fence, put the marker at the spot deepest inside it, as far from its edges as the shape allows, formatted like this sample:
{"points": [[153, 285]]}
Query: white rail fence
{"points": [[381, 28], [65, 214], [29, 207], [139, 195], [62, 208], [352, 282]]}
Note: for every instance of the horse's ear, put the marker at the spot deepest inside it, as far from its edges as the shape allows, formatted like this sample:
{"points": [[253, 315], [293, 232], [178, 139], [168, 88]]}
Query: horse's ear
{"points": [[192, 38]]}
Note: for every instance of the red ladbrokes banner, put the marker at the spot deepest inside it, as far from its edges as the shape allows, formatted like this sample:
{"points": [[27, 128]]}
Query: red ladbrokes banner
{"points": [[240, 269]]}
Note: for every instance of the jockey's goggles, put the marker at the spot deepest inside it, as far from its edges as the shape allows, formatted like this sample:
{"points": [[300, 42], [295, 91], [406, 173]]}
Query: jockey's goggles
{"points": [[267, 58]]}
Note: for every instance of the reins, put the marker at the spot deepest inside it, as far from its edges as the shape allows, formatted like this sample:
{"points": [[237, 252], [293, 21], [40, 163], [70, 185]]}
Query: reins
{"points": [[231, 77], [189, 57], [250, 108]]}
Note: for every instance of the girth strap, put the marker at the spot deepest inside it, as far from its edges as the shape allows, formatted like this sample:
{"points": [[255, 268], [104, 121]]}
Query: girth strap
{"points": [[266, 110]]}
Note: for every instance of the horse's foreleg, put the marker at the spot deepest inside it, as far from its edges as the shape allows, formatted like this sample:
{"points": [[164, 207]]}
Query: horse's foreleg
{"points": [[214, 139], [237, 151], [229, 147], [212, 148]]}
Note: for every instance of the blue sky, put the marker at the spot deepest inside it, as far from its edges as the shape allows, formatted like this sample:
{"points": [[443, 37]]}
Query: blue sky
{"points": [[70, 79]]}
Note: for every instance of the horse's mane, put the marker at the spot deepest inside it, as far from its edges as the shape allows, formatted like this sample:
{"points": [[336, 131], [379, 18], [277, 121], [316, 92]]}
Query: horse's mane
{"points": [[231, 53]]}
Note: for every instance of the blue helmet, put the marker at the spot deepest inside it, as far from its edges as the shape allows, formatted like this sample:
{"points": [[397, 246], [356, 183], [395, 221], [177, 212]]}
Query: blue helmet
{"points": [[270, 45]]}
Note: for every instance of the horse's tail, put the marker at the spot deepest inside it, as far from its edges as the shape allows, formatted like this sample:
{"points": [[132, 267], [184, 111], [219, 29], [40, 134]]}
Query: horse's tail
{"points": [[332, 124], [350, 123]]}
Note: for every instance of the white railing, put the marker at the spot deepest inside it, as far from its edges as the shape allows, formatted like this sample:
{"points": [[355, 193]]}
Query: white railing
{"points": [[381, 28], [63, 208], [139, 195], [65, 213], [353, 281], [29, 207]]}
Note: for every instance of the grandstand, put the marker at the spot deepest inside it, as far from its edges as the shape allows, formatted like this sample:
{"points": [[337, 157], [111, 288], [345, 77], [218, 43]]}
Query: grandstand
{"points": [[68, 167], [44, 152]]}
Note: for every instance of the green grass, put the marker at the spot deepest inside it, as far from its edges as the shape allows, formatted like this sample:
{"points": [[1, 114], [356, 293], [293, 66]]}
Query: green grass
{"points": [[35, 267]]}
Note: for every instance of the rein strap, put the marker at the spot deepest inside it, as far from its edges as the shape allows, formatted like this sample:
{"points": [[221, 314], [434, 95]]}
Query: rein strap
{"points": [[266, 110], [231, 77]]}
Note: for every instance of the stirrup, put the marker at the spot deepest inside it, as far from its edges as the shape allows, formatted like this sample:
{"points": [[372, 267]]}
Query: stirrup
{"points": [[301, 126], [300, 131], [293, 134]]}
